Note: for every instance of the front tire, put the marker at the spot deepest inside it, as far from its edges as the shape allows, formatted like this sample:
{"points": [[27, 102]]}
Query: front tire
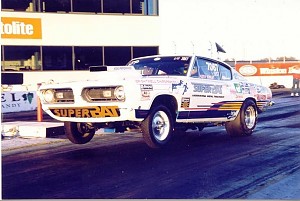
{"points": [[245, 122], [79, 133], [158, 127]]}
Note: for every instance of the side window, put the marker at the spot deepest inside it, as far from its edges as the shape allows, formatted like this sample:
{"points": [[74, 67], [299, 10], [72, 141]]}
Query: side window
{"points": [[208, 69], [225, 72]]}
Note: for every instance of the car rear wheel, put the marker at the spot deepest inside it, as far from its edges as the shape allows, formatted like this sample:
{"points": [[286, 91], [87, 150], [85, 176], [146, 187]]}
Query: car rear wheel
{"points": [[245, 122], [79, 133], [158, 127]]}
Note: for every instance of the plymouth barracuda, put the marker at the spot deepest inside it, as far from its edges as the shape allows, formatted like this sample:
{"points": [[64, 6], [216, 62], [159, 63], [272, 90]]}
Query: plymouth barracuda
{"points": [[158, 95]]}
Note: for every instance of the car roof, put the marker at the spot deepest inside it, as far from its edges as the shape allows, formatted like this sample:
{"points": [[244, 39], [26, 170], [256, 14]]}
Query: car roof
{"points": [[183, 55]]}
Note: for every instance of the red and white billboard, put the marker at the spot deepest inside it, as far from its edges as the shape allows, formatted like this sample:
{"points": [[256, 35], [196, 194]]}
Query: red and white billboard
{"points": [[268, 69]]}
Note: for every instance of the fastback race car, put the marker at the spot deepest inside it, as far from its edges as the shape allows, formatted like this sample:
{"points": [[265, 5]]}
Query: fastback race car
{"points": [[157, 94]]}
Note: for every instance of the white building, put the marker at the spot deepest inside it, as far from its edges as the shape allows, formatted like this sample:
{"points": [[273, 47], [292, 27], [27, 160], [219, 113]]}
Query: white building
{"points": [[48, 38], [59, 39]]}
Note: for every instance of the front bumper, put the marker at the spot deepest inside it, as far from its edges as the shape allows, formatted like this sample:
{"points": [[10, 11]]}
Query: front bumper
{"points": [[101, 114]]}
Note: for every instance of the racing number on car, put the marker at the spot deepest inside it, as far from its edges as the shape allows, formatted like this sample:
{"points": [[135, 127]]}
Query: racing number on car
{"points": [[87, 112]]}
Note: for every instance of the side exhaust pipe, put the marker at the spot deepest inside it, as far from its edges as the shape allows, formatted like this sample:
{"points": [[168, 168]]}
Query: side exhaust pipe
{"points": [[271, 103]]}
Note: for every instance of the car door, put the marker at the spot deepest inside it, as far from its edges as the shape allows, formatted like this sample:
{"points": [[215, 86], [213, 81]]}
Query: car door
{"points": [[210, 91]]}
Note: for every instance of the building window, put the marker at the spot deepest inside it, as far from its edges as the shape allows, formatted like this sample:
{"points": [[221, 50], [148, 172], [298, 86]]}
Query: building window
{"points": [[21, 58], [15, 58], [93, 6], [16, 5], [114, 56], [116, 6], [57, 58], [144, 51], [150, 7], [87, 56], [144, 7], [56, 5], [138, 6]]}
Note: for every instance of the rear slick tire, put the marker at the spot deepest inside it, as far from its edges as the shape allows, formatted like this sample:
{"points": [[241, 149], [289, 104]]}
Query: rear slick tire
{"points": [[245, 122], [79, 133], [158, 127]]}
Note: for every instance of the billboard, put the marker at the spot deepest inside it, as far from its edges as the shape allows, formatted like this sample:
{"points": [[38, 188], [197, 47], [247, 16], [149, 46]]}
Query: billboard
{"points": [[21, 28], [17, 101], [268, 69]]}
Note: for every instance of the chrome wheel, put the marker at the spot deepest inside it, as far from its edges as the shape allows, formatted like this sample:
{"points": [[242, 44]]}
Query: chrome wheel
{"points": [[245, 122], [160, 125], [250, 117]]}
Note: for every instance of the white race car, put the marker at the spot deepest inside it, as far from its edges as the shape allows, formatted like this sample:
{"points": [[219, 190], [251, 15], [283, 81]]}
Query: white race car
{"points": [[157, 94]]}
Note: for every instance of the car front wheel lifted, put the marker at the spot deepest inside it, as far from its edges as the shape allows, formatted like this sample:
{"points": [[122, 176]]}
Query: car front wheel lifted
{"points": [[79, 133]]}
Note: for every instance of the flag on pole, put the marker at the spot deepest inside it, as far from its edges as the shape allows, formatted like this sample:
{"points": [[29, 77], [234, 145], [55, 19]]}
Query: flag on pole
{"points": [[219, 48]]}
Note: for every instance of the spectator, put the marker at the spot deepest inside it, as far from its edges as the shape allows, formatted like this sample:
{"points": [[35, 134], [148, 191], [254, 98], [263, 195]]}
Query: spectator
{"points": [[296, 79]]}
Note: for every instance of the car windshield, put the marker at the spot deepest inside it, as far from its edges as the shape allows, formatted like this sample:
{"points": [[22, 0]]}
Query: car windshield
{"points": [[175, 65]]}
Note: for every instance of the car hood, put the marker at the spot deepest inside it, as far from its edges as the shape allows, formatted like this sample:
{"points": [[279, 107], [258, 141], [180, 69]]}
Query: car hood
{"points": [[100, 79]]}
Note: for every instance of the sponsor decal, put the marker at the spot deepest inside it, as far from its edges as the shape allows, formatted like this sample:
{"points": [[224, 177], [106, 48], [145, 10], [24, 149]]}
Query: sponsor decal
{"points": [[261, 97], [87, 112], [246, 88], [213, 71], [21, 28], [231, 106], [175, 86], [248, 70], [119, 68], [145, 95], [262, 103], [181, 58], [267, 69], [155, 81], [212, 67], [239, 96], [207, 88], [145, 91], [208, 96], [238, 88], [185, 102], [146, 87], [270, 71], [243, 88], [220, 106], [206, 114]]}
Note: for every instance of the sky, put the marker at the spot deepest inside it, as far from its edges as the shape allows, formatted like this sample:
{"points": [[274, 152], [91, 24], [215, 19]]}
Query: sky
{"points": [[246, 29]]}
